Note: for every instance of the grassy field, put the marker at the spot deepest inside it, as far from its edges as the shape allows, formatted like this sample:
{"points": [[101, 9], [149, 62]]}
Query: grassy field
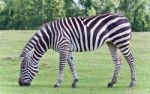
{"points": [[94, 68]]}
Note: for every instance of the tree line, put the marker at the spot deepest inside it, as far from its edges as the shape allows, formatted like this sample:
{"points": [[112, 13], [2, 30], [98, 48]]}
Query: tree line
{"points": [[30, 14]]}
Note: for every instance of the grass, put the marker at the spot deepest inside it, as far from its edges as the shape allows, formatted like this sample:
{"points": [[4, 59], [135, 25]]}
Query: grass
{"points": [[94, 68]]}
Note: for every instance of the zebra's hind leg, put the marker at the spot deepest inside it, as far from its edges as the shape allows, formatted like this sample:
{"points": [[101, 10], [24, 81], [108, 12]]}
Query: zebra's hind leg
{"points": [[73, 69], [63, 55], [117, 61], [128, 56]]}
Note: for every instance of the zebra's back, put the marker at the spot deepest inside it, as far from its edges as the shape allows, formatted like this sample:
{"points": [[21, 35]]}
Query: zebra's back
{"points": [[89, 33]]}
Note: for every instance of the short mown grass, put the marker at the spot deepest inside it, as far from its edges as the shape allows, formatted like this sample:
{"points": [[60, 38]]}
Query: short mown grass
{"points": [[94, 68]]}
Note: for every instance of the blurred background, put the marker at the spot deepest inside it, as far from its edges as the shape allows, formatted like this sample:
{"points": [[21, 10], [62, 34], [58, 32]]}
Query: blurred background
{"points": [[31, 14]]}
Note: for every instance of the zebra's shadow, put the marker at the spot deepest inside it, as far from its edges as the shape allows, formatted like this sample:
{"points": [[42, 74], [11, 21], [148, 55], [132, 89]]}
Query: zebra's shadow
{"points": [[90, 87]]}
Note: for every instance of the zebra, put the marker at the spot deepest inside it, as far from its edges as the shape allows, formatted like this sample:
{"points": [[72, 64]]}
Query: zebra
{"points": [[78, 34]]}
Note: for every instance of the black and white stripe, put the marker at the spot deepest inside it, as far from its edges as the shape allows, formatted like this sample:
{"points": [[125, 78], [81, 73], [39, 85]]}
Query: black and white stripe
{"points": [[78, 34]]}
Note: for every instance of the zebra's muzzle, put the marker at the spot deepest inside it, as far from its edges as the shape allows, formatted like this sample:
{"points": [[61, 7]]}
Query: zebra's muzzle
{"points": [[23, 83]]}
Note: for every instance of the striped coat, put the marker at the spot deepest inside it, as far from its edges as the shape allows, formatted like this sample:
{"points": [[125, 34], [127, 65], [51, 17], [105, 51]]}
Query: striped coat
{"points": [[79, 34]]}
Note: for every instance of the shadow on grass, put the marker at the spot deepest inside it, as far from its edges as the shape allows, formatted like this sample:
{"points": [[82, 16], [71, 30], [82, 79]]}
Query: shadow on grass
{"points": [[102, 87], [90, 87], [87, 87]]}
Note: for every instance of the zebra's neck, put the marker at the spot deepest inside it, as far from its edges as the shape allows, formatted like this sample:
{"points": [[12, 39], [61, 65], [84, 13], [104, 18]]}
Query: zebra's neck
{"points": [[46, 38]]}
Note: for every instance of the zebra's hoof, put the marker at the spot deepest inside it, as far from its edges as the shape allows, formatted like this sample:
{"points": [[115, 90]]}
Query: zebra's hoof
{"points": [[110, 85], [132, 85], [74, 85], [56, 86]]}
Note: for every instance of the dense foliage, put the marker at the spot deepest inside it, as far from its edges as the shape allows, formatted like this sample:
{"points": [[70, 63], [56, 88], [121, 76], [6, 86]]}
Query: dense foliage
{"points": [[30, 14]]}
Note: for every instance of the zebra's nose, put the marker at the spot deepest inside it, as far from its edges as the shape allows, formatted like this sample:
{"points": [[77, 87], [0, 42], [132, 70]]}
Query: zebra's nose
{"points": [[23, 83]]}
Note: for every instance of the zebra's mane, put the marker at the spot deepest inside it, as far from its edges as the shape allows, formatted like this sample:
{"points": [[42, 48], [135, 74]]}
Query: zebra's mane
{"points": [[27, 49]]}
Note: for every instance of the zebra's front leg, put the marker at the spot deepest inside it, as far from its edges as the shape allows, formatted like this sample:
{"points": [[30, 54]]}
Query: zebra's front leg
{"points": [[117, 61], [73, 70], [63, 58]]}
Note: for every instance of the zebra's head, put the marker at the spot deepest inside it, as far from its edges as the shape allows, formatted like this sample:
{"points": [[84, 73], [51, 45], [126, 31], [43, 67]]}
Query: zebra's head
{"points": [[28, 68]]}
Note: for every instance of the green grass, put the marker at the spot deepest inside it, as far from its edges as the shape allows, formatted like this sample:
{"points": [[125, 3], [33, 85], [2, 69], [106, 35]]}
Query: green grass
{"points": [[94, 68]]}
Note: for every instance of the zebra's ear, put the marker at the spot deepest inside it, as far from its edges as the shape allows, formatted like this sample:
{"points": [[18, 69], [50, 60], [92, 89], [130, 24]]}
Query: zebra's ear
{"points": [[21, 56], [23, 53]]}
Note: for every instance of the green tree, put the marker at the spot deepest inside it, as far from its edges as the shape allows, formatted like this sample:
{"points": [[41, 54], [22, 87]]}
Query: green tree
{"points": [[30, 14], [56, 9], [136, 11], [2, 6], [68, 7], [104, 6], [9, 15], [91, 11]]}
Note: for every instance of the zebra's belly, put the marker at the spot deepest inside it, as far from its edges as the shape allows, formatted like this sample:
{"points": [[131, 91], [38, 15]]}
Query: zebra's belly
{"points": [[87, 46], [83, 49]]}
